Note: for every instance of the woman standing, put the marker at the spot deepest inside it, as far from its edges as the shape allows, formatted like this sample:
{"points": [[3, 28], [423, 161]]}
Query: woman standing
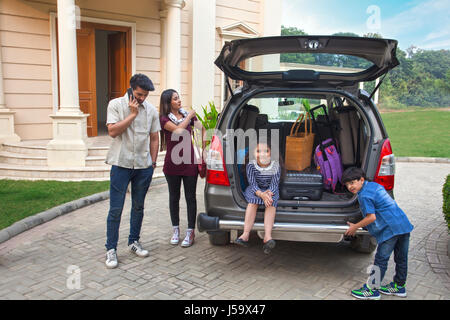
{"points": [[176, 124]]}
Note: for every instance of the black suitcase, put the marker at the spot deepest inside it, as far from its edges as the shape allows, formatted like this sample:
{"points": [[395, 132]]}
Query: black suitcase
{"points": [[301, 185]]}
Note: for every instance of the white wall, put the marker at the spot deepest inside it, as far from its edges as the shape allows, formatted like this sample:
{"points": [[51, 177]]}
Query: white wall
{"points": [[271, 21], [203, 52]]}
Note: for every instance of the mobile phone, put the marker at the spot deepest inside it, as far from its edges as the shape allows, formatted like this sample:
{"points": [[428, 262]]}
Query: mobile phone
{"points": [[130, 94]]}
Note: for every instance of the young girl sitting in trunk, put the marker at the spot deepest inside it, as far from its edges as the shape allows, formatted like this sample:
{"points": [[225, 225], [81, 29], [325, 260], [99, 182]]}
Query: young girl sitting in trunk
{"points": [[263, 175]]}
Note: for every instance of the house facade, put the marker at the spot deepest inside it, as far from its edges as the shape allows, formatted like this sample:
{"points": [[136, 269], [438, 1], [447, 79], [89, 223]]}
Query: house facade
{"points": [[61, 61]]}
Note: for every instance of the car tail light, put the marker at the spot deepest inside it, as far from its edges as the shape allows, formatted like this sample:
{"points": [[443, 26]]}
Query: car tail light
{"points": [[216, 173], [386, 167]]}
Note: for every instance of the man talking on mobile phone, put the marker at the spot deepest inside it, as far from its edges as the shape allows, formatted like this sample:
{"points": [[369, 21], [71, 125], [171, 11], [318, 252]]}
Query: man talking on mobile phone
{"points": [[134, 124]]}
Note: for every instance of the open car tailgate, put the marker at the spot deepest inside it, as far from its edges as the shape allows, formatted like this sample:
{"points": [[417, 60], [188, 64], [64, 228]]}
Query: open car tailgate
{"points": [[380, 55]]}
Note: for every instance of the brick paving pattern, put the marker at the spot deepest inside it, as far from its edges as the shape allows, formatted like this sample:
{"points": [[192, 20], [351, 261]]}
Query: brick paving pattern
{"points": [[39, 263]]}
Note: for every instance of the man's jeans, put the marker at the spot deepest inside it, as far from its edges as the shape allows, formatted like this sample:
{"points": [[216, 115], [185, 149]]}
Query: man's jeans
{"points": [[399, 245], [120, 178]]}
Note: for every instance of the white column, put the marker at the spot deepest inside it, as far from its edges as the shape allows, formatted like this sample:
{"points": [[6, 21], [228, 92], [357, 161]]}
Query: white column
{"points": [[67, 51], [173, 44], [68, 147], [163, 17], [6, 116], [203, 52]]}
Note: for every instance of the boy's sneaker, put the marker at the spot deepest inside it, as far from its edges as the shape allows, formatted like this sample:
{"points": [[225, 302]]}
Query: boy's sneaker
{"points": [[137, 249], [366, 293], [111, 259], [176, 236], [393, 289], [189, 239]]}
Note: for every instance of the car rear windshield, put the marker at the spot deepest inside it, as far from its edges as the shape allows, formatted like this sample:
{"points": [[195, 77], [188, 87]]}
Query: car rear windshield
{"points": [[285, 108], [320, 62]]}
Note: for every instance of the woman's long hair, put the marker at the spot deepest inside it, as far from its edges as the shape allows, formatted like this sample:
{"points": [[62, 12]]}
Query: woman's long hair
{"points": [[165, 104]]}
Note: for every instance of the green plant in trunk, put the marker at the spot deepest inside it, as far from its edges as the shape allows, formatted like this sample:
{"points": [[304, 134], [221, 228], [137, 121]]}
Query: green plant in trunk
{"points": [[307, 106], [305, 103]]}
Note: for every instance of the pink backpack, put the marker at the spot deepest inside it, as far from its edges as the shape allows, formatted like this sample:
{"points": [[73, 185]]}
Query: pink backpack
{"points": [[327, 157]]}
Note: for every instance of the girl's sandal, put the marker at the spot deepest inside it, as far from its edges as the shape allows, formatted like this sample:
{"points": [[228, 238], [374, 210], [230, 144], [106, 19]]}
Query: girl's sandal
{"points": [[241, 242], [268, 246]]}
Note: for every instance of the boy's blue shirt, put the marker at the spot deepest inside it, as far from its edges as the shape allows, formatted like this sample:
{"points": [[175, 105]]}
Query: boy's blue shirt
{"points": [[390, 219]]}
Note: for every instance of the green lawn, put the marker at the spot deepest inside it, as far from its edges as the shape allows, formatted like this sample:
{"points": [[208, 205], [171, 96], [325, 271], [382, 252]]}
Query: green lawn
{"points": [[419, 133], [20, 199]]}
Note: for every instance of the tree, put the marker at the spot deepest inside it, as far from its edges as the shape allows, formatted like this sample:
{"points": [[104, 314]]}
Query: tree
{"points": [[292, 31], [373, 35], [421, 79], [411, 51], [295, 57], [345, 34], [444, 84]]}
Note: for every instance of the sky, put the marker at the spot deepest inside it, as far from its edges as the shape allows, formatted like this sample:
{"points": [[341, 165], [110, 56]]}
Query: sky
{"points": [[422, 23]]}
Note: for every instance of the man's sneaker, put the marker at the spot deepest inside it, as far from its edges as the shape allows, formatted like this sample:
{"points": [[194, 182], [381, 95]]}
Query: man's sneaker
{"points": [[366, 293], [393, 289], [111, 259], [189, 239], [137, 249], [176, 236]]}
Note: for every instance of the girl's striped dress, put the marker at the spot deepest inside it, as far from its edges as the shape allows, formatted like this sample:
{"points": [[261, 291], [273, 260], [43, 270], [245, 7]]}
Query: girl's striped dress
{"points": [[262, 179]]}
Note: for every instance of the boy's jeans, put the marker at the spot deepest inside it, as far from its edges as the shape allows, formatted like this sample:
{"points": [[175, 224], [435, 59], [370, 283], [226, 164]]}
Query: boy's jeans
{"points": [[399, 245], [120, 178]]}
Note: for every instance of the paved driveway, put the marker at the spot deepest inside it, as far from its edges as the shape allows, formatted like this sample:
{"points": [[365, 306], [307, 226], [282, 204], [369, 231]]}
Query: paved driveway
{"points": [[64, 258]]}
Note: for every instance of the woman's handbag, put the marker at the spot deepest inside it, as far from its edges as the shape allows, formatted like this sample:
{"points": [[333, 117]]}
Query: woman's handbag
{"points": [[201, 164], [202, 169], [299, 145]]}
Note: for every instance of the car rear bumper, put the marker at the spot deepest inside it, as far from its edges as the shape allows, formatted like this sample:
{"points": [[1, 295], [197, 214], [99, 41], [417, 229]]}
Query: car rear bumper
{"points": [[283, 231]]}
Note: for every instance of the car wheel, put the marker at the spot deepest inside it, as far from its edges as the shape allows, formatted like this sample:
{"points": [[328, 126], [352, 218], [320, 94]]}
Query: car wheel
{"points": [[364, 244], [219, 238]]}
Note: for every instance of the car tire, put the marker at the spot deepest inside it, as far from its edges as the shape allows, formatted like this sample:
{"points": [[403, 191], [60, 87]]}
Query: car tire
{"points": [[364, 244], [219, 238]]}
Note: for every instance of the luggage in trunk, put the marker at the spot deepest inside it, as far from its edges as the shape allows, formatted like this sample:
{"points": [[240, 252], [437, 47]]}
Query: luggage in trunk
{"points": [[280, 129], [348, 134], [247, 119], [327, 155], [321, 128], [301, 185]]}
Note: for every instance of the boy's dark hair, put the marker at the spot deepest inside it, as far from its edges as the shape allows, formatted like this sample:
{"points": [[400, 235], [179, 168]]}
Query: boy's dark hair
{"points": [[142, 81], [352, 173]]}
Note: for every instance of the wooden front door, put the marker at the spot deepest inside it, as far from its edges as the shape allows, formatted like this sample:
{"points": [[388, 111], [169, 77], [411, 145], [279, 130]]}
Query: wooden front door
{"points": [[117, 65], [87, 76]]}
